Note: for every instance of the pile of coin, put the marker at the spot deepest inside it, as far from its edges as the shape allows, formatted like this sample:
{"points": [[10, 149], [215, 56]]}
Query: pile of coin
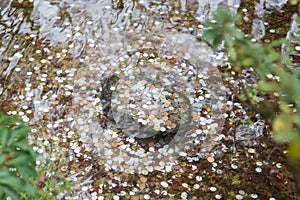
{"points": [[151, 104]]}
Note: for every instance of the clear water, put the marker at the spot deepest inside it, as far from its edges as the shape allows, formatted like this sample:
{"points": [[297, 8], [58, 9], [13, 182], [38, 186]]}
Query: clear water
{"points": [[56, 57]]}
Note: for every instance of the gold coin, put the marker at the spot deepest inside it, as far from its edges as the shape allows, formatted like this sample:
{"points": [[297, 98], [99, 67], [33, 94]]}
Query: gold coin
{"points": [[169, 90], [151, 117], [168, 123], [165, 118], [181, 122], [135, 117], [134, 112], [162, 97], [173, 126], [151, 86], [156, 126], [127, 82], [174, 116], [210, 159], [158, 86], [251, 150], [194, 114], [101, 162], [114, 144]]}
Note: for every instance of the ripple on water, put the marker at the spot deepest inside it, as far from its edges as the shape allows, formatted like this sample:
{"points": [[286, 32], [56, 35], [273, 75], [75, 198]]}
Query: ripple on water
{"points": [[157, 91]]}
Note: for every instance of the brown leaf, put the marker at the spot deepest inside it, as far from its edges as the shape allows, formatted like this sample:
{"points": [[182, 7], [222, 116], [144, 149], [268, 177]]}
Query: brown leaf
{"points": [[42, 180]]}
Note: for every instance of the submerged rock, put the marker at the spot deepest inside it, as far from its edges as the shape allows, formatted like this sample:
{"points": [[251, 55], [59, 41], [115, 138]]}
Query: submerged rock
{"points": [[154, 88]]}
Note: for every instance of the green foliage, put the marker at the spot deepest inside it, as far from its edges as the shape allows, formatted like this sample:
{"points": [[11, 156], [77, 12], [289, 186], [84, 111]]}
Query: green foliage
{"points": [[265, 61], [52, 186], [17, 159], [294, 2]]}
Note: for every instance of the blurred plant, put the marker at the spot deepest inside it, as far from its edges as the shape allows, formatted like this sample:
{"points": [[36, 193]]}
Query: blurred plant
{"points": [[278, 78], [294, 2], [51, 187], [17, 159]]}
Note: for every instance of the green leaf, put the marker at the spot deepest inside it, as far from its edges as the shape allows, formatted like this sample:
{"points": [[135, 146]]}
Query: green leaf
{"points": [[211, 25], [273, 56], [216, 42], [248, 61], [26, 172], [277, 43], [294, 2], [7, 119], [19, 159], [15, 146], [268, 86], [294, 149], [2, 158], [13, 182], [212, 37], [229, 41], [2, 195], [23, 144], [30, 190], [286, 136], [19, 131], [5, 173], [5, 132], [283, 127], [10, 192]]}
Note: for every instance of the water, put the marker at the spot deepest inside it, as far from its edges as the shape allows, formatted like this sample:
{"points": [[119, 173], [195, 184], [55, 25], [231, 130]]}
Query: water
{"points": [[56, 57], [148, 80]]}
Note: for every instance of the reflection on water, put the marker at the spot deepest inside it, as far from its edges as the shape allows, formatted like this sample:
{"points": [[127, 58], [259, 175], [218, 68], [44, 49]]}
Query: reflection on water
{"points": [[57, 55], [275, 3], [258, 26], [153, 85]]}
